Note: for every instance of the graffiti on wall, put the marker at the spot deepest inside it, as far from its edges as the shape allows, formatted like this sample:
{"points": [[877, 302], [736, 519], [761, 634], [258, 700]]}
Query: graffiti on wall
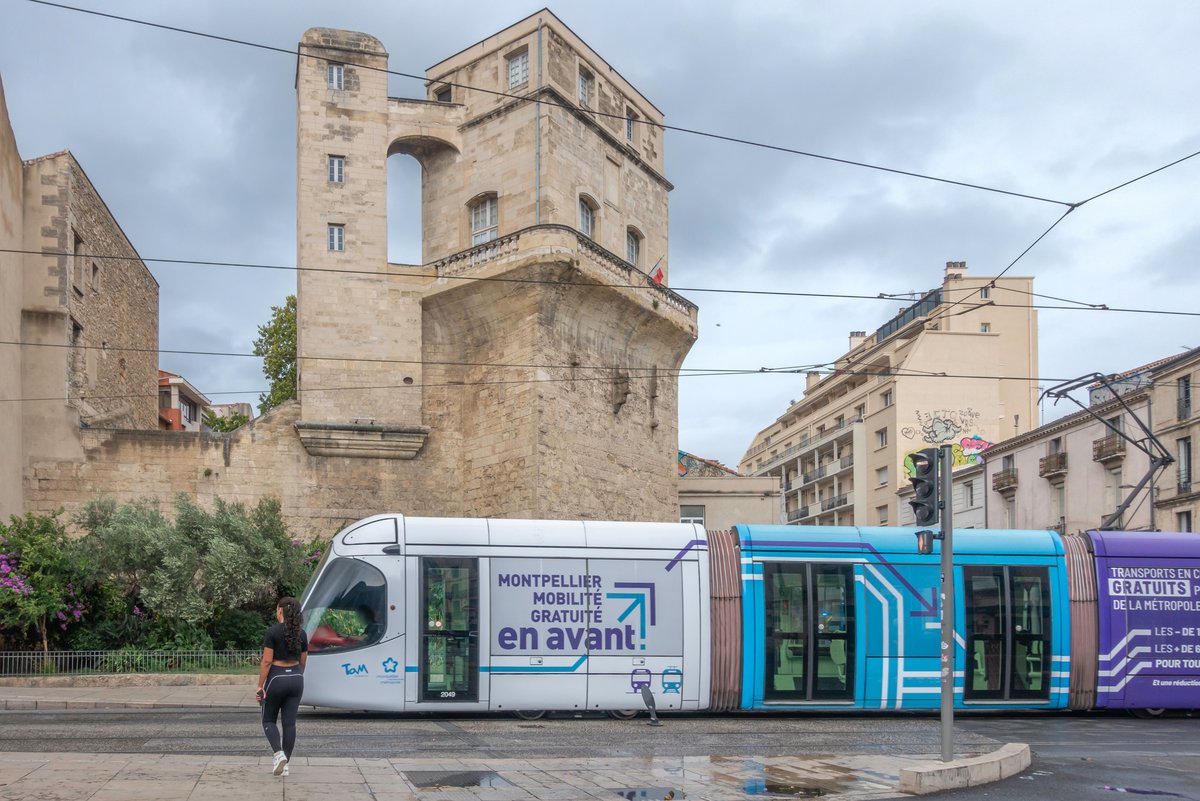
{"points": [[941, 426], [966, 452]]}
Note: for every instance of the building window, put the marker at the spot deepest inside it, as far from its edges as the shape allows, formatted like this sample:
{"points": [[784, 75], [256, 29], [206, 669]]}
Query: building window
{"points": [[881, 476], [1008, 463], [337, 238], [630, 119], [1054, 446], [1184, 386], [77, 261], [187, 410], [483, 220], [881, 512], [985, 292], [881, 438], [968, 494], [337, 169], [1183, 454], [1183, 521], [335, 76], [633, 247], [164, 400], [887, 398], [1010, 511], [95, 277], [443, 95], [587, 218], [860, 412], [518, 69], [1058, 504], [985, 328], [691, 514], [585, 87]]}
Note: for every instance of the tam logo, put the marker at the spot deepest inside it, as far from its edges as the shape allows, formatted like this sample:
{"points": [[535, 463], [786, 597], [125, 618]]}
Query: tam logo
{"points": [[354, 670]]}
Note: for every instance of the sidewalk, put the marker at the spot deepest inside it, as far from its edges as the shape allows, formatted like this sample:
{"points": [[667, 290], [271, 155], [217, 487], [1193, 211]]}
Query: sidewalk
{"points": [[159, 777]]}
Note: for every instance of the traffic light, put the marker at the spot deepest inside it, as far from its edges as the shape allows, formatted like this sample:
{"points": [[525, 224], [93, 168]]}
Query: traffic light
{"points": [[925, 486]]}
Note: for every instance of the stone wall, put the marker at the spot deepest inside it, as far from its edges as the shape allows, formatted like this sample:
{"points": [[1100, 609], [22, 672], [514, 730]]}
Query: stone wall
{"points": [[12, 387]]}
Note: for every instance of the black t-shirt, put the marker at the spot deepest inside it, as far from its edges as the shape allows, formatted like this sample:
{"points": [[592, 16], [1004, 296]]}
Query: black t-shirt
{"points": [[275, 640]]}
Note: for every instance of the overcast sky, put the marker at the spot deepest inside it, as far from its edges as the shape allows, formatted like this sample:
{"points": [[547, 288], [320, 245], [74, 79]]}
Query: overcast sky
{"points": [[191, 142]]}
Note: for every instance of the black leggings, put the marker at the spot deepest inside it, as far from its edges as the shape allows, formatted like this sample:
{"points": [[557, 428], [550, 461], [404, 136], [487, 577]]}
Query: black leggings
{"points": [[284, 688]]}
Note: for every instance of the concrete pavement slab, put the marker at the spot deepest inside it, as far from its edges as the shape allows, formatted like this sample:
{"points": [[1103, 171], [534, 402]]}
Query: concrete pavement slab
{"points": [[155, 777]]}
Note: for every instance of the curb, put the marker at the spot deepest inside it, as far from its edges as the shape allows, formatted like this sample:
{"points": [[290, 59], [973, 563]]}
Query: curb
{"points": [[1006, 761]]}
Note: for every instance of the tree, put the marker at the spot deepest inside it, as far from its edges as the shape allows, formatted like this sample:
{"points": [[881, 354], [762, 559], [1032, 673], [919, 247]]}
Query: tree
{"points": [[276, 343], [225, 423], [200, 565], [42, 577]]}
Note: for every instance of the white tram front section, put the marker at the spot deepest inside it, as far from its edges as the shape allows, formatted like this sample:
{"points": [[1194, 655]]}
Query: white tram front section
{"points": [[445, 614]]}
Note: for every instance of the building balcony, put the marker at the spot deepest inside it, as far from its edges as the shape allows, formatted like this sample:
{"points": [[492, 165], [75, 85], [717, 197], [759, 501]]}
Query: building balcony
{"points": [[1107, 449], [835, 502], [1052, 465], [795, 514], [1005, 480]]}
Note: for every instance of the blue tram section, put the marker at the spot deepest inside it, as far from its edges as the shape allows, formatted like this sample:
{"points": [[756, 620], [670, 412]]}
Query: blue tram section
{"points": [[846, 618]]}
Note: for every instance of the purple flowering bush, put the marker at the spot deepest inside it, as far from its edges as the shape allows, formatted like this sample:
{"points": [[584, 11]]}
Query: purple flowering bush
{"points": [[43, 576]]}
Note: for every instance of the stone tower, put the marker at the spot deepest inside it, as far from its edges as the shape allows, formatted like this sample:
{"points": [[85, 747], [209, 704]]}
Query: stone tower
{"points": [[528, 368]]}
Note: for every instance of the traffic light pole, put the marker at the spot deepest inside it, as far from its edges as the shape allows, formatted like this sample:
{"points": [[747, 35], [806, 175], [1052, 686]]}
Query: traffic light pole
{"points": [[947, 665]]}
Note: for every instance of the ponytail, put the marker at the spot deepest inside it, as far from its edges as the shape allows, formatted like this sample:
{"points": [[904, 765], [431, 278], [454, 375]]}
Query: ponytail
{"points": [[293, 623]]}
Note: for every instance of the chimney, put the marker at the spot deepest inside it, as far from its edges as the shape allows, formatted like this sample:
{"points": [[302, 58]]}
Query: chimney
{"points": [[812, 379], [857, 338], [955, 269]]}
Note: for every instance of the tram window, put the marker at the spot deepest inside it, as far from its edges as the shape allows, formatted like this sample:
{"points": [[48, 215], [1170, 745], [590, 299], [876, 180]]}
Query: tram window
{"points": [[347, 608], [809, 632], [1008, 632]]}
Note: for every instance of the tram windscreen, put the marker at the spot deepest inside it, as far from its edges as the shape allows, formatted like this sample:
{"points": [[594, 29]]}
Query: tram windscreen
{"points": [[347, 607]]}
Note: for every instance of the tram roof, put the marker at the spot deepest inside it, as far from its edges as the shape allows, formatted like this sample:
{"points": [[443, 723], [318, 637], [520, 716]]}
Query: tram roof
{"points": [[1146, 544], [893, 539]]}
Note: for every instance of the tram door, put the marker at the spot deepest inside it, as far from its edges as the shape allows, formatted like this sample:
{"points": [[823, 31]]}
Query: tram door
{"points": [[1008, 632], [450, 629], [809, 616]]}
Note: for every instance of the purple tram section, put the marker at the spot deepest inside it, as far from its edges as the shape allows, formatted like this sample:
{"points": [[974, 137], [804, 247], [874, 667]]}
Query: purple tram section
{"points": [[1148, 604]]}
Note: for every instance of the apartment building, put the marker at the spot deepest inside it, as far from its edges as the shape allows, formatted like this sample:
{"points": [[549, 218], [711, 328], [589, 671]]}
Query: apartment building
{"points": [[1095, 468], [957, 366], [1176, 424]]}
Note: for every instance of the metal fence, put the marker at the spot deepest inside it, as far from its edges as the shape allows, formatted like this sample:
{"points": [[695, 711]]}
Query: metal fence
{"points": [[38, 663]]}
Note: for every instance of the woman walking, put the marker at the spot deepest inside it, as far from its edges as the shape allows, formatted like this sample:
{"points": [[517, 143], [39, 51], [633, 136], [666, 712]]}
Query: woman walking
{"points": [[281, 680]]}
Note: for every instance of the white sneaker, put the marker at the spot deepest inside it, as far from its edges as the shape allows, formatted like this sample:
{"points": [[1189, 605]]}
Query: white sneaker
{"points": [[280, 763]]}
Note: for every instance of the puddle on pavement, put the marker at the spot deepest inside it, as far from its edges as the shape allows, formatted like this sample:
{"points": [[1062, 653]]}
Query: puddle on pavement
{"points": [[658, 793], [427, 779], [760, 787]]}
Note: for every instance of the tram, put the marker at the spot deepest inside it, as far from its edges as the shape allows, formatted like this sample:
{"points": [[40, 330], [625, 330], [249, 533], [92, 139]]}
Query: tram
{"points": [[529, 616]]}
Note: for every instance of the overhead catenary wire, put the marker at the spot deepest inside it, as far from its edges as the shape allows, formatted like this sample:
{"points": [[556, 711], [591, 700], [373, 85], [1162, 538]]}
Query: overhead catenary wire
{"points": [[1070, 206], [631, 373], [941, 312], [644, 286], [592, 112]]}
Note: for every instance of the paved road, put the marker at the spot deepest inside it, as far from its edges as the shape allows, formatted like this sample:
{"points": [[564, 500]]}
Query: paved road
{"points": [[324, 733], [1095, 757]]}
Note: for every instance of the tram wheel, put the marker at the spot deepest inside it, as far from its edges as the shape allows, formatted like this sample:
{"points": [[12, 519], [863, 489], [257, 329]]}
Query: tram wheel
{"points": [[623, 714], [530, 714], [1151, 712]]}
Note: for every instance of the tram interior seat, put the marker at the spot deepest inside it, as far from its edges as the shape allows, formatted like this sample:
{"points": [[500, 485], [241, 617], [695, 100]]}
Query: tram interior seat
{"points": [[791, 664], [837, 653]]}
